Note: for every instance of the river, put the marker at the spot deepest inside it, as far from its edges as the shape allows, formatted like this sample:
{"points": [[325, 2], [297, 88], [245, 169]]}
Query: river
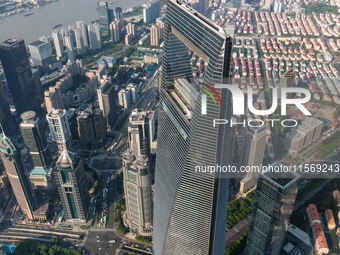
{"points": [[67, 12]]}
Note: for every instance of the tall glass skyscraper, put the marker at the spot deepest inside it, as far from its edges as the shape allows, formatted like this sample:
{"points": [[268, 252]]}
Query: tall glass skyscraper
{"points": [[190, 208], [274, 203], [104, 18], [6, 117], [21, 84], [17, 174]]}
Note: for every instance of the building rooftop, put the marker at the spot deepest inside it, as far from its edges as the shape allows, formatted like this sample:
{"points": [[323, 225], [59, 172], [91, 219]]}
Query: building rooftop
{"points": [[10, 42], [313, 212], [37, 43], [38, 171]]}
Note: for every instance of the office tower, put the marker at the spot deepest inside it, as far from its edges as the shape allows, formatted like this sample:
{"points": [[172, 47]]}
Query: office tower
{"points": [[6, 117], [14, 165], [60, 129], [160, 26], [131, 29], [189, 204], [71, 55], [53, 99], [252, 154], [107, 100], [79, 42], [104, 21], [33, 133], [138, 193], [58, 43], [115, 30], [274, 203], [72, 186], [81, 25], [154, 35], [71, 29], [141, 132], [20, 80], [124, 98], [150, 11], [94, 36], [41, 55], [119, 13], [91, 126]]}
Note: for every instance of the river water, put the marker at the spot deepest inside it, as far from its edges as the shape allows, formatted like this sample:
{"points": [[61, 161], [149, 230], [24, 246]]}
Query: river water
{"points": [[67, 12]]}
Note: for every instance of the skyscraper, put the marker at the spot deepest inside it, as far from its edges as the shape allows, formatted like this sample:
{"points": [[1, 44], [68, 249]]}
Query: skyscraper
{"points": [[115, 30], [60, 129], [150, 11], [119, 13], [131, 29], [274, 203], [94, 36], [138, 193], [6, 117], [160, 26], [41, 55], [32, 130], [154, 35], [71, 55], [79, 42], [189, 204], [81, 25], [20, 80], [104, 20], [72, 186], [252, 153], [17, 174], [107, 100], [141, 131], [58, 44]]}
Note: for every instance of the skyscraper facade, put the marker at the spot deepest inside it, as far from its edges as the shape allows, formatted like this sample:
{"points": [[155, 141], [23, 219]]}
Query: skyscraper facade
{"points": [[94, 36], [58, 44], [154, 36], [41, 55], [274, 203], [81, 25], [79, 42], [189, 204], [17, 174], [141, 131], [119, 13], [104, 19], [20, 80], [115, 30], [71, 55], [138, 193], [60, 129], [6, 117], [131, 29], [150, 11], [72, 186], [33, 132]]}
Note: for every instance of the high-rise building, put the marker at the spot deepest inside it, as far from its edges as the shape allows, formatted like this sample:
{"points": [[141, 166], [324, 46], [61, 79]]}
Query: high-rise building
{"points": [[58, 43], [141, 132], [124, 98], [107, 100], [41, 55], [14, 165], [131, 29], [79, 41], [81, 25], [115, 30], [72, 186], [104, 19], [252, 154], [273, 206], [94, 36], [150, 11], [160, 26], [190, 204], [154, 36], [91, 126], [128, 39], [60, 129], [6, 117], [138, 193], [20, 80], [71, 55], [33, 132], [119, 13], [53, 99]]}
